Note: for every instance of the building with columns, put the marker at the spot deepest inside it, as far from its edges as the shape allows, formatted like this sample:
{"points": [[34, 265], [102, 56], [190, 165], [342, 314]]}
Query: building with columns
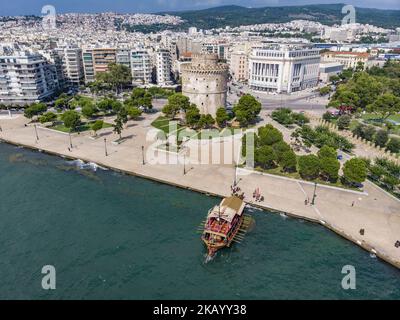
{"points": [[283, 68]]}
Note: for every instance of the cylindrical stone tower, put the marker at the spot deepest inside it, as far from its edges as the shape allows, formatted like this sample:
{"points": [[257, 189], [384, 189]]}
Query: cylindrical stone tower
{"points": [[204, 81]]}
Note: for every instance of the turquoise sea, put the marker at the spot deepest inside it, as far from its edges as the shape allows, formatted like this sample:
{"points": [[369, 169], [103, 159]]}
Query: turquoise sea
{"points": [[112, 236]]}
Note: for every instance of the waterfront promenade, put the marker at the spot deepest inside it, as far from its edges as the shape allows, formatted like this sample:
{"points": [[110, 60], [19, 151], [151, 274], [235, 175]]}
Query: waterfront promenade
{"points": [[343, 211]]}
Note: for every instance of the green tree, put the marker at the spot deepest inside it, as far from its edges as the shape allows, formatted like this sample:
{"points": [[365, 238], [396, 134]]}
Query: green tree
{"points": [[355, 171], [324, 90], [269, 135], [61, 103], [393, 145], [343, 122], [89, 110], [327, 116], [288, 161], [280, 148], [118, 126], [71, 119], [330, 168], [265, 156], [283, 116], [247, 110], [116, 77], [134, 113], [96, 126], [381, 138], [35, 110], [106, 104], [309, 166], [334, 78], [327, 152], [386, 105], [221, 117], [368, 133], [176, 102], [390, 181], [206, 121], [48, 117], [192, 117]]}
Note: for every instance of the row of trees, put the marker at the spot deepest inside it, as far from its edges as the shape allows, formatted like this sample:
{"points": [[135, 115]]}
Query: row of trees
{"points": [[287, 117], [245, 112], [380, 137], [386, 174], [321, 136], [270, 151], [375, 90]]}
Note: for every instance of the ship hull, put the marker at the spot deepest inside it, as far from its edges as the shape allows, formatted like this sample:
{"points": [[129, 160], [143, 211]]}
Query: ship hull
{"points": [[213, 247]]}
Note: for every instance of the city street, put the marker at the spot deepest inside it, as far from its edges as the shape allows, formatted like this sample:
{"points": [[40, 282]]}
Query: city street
{"points": [[307, 100]]}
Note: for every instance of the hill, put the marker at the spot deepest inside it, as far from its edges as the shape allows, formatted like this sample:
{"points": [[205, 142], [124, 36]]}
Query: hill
{"points": [[328, 14]]}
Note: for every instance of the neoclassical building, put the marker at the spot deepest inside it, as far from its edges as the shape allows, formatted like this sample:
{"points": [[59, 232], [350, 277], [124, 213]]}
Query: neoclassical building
{"points": [[283, 68], [204, 81]]}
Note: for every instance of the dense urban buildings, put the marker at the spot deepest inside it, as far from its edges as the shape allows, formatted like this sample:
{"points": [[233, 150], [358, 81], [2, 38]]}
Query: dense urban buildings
{"points": [[83, 45]]}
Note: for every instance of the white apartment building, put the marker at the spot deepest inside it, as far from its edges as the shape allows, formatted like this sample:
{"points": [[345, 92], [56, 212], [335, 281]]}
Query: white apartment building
{"points": [[141, 67], [124, 57], [163, 67], [73, 66], [26, 78], [283, 68]]}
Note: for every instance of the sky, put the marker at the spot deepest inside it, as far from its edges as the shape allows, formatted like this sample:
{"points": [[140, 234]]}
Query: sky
{"points": [[25, 7]]}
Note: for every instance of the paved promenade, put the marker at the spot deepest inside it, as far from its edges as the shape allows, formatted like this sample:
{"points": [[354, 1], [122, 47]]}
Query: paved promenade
{"points": [[344, 211]]}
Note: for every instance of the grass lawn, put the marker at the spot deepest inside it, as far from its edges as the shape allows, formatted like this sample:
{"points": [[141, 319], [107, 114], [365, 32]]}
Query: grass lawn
{"points": [[374, 119], [162, 123], [377, 118], [82, 128]]}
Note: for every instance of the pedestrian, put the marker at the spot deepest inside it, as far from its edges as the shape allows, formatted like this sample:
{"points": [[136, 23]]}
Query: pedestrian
{"points": [[305, 202], [69, 149], [352, 204], [362, 231], [1, 130]]}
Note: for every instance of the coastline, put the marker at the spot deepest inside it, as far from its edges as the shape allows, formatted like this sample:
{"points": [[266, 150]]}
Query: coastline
{"points": [[363, 244]]}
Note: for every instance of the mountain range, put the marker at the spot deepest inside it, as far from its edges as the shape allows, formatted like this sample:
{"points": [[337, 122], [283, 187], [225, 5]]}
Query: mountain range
{"points": [[328, 14]]}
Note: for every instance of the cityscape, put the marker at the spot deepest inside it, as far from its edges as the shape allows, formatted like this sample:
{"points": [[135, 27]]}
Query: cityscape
{"points": [[161, 156]]}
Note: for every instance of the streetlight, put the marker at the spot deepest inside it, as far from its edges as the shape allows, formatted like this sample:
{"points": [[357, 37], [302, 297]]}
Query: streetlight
{"points": [[105, 146], [70, 140], [143, 161], [37, 136], [314, 195], [184, 164]]}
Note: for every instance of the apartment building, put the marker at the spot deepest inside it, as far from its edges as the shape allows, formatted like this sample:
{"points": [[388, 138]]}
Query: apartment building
{"points": [[141, 67], [124, 57], [283, 68], [239, 66], [25, 78], [97, 60], [163, 67]]}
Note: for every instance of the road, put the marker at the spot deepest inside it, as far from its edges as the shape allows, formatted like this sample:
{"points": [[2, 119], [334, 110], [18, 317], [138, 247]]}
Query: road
{"points": [[301, 101]]}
